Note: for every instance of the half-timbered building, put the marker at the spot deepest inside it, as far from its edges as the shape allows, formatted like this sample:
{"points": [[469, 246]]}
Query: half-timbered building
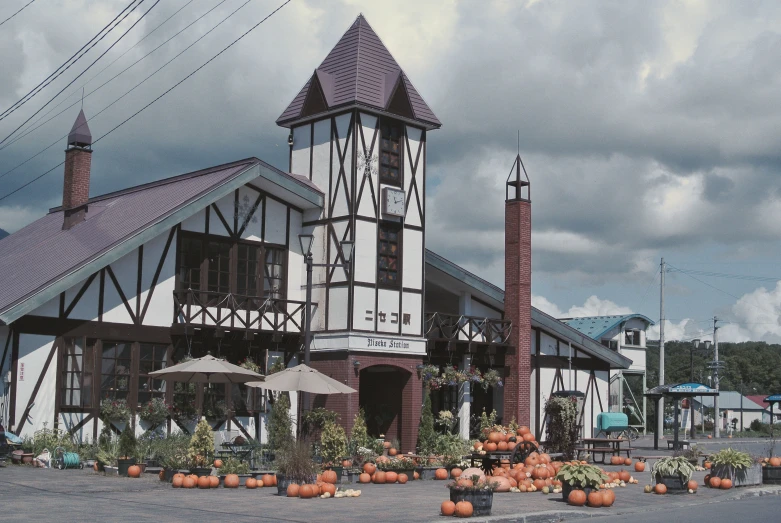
{"points": [[104, 290]]}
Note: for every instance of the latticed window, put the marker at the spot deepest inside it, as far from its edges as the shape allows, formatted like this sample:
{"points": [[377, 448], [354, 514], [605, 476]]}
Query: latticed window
{"points": [[388, 255], [390, 153], [190, 261], [76, 367], [219, 266], [274, 278], [150, 358], [247, 270], [115, 370]]}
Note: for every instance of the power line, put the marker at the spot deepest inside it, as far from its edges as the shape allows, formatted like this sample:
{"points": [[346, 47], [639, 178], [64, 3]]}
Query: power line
{"points": [[66, 65], [19, 11], [30, 130], [731, 276], [131, 89], [85, 70], [159, 97]]}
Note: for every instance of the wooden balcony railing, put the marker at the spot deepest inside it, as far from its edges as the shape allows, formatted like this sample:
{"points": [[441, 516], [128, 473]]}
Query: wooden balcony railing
{"points": [[471, 329], [219, 309]]}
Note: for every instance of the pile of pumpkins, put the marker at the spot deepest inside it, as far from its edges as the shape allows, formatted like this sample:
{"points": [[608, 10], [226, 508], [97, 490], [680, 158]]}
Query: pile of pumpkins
{"points": [[503, 439], [324, 487], [622, 478], [595, 498], [775, 461], [371, 474], [717, 482], [535, 474], [231, 481], [462, 509], [661, 488]]}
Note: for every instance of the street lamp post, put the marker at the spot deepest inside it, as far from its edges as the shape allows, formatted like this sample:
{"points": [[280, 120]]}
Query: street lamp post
{"points": [[306, 241]]}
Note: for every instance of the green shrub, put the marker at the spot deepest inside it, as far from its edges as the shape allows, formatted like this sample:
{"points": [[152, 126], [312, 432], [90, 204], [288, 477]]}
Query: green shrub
{"points": [[333, 443], [280, 425], [127, 443], [427, 436], [202, 445]]}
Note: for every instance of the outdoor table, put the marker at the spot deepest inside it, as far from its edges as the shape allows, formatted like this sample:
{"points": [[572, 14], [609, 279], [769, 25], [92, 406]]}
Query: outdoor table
{"points": [[605, 446]]}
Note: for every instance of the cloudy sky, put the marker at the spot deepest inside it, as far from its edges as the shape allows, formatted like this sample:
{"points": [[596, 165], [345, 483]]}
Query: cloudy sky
{"points": [[648, 129]]}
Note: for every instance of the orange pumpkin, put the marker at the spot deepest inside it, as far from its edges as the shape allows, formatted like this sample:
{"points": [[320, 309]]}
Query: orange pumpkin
{"points": [[347, 463], [188, 482], [692, 485], [95, 466], [490, 446], [203, 482], [608, 498], [369, 468], [464, 509], [293, 490], [595, 499], [624, 475], [386, 444], [539, 484], [268, 480], [364, 478], [494, 437], [251, 483], [502, 446], [628, 462], [391, 477], [576, 497], [316, 488], [329, 488], [455, 473], [473, 471], [194, 478], [511, 445], [448, 508], [214, 481], [707, 464], [501, 483], [306, 491], [217, 463], [403, 478], [639, 466], [715, 482], [532, 460], [726, 483], [392, 451], [440, 474], [775, 462], [231, 481], [329, 476], [523, 429], [161, 475], [177, 483], [415, 475], [134, 471], [379, 477], [660, 488], [528, 437]]}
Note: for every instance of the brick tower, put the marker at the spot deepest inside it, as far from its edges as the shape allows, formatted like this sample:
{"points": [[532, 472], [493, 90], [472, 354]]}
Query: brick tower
{"points": [[517, 292]]}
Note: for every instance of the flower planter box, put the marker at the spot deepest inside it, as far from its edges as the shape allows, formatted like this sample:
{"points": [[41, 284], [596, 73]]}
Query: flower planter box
{"points": [[674, 484], [352, 476], [740, 477], [566, 488], [771, 475], [427, 472], [481, 500]]}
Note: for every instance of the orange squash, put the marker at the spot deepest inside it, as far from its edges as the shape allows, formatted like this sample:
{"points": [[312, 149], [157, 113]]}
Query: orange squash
{"points": [[523, 429], [369, 468], [715, 482], [379, 477], [608, 497], [455, 473], [188, 482], [595, 499], [203, 482], [364, 478], [464, 509], [473, 471], [624, 475], [639, 466], [628, 462], [501, 483], [403, 478], [726, 483], [329, 488], [775, 462], [692, 485], [494, 437], [177, 483], [440, 474], [347, 463], [448, 508], [707, 465], [217, 463], [392, 451], [268, 480], [214, 481], [490, 446], [306, 491], [576, 497], [161, 475], [231, 481], [329, 476], [251, 483], [660, 488], [501, 446], [293, 490], [134, 471], [391, 477], [416, 475]]}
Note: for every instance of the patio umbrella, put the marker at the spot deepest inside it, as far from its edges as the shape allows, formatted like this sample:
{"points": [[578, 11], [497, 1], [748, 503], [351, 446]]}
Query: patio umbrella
{"points": [[207, 369], [302, 378]]}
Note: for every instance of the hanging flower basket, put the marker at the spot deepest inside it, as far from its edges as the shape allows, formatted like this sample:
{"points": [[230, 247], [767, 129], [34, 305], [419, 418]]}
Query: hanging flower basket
{"points": [[114, 410], [451, 376], [155, 411]]}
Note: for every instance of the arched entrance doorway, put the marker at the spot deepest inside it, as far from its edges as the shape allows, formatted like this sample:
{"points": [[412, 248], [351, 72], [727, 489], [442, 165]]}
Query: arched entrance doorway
{"points": [[382, 400]]}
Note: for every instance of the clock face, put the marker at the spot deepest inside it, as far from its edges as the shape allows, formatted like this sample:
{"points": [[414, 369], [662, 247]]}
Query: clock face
{"points": [[394, 202]]}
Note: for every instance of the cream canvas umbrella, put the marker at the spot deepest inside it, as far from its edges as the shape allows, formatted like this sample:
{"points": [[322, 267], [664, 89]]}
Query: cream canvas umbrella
{"points": [[302, 378], [208, 369]]}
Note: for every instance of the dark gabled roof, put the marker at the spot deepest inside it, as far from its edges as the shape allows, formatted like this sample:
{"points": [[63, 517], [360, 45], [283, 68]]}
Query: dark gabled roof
{"points": [[41, 260], [359, 70]]}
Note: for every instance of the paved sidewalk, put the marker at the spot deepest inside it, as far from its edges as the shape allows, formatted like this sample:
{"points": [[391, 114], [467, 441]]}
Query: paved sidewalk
{"points": [[28, 494]]}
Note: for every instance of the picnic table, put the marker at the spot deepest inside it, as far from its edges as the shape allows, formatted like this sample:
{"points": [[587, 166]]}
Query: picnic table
{"points": [[604, 446]]}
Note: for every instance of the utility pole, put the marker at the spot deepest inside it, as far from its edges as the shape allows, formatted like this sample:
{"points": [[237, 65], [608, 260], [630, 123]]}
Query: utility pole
{"points": [[660, 405], [716, 363]]}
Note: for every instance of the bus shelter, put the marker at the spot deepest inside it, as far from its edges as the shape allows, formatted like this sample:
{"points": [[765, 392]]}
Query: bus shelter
{"points": [[676, 393]]}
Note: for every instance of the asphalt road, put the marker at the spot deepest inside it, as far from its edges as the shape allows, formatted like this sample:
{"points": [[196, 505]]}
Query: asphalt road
{"points": [[760, 509]]}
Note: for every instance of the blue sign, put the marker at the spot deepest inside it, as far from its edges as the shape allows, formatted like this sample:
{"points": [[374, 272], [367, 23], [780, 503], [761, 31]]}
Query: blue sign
{"points": [[773, 398], [691, 388]]}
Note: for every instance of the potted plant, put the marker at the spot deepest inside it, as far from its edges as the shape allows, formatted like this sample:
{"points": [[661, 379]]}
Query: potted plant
{"points": [[235, 466], [476, 491], [333, 446], [114, 410], [400, 464], [107, 456], [674, 473], [580, 477], [295, 465], [154, 412], [127, 450], [737, 466], [693, 454], [201, 451]]}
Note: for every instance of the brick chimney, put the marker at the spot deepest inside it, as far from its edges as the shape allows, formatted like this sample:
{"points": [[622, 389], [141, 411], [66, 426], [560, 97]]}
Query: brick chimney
{"points": [[518, 293], [78, 158]]}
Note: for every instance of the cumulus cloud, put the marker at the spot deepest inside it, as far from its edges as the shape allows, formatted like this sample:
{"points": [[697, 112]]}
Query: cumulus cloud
{"points": [[593, 306]]}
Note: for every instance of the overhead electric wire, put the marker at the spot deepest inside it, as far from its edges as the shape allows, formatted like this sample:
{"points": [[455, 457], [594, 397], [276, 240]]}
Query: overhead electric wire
{"points": [[19, 11], [730, 276], [180, 82], [131, 89], [32, 129], [85, 70], [66, 65]]}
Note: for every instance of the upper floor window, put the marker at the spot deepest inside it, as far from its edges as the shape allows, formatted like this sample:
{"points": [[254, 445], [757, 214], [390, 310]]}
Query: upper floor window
{"points": [[632, 337], [388, 255], [390, 152]]}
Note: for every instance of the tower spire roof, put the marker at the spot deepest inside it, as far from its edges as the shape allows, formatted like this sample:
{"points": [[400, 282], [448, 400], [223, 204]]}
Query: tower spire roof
{"points": [[359, 70], [80, 134]]}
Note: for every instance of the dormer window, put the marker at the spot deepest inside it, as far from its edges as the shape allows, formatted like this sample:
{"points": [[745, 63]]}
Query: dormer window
{"points": [[632, 337], [390, 152]]}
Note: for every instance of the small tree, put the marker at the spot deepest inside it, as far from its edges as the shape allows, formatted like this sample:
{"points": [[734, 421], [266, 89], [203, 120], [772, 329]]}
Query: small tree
{"points": [[359, 436], [427, 436], [562, 425], [201, 444], [333, 442], [127, 443], [280, 426]]}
